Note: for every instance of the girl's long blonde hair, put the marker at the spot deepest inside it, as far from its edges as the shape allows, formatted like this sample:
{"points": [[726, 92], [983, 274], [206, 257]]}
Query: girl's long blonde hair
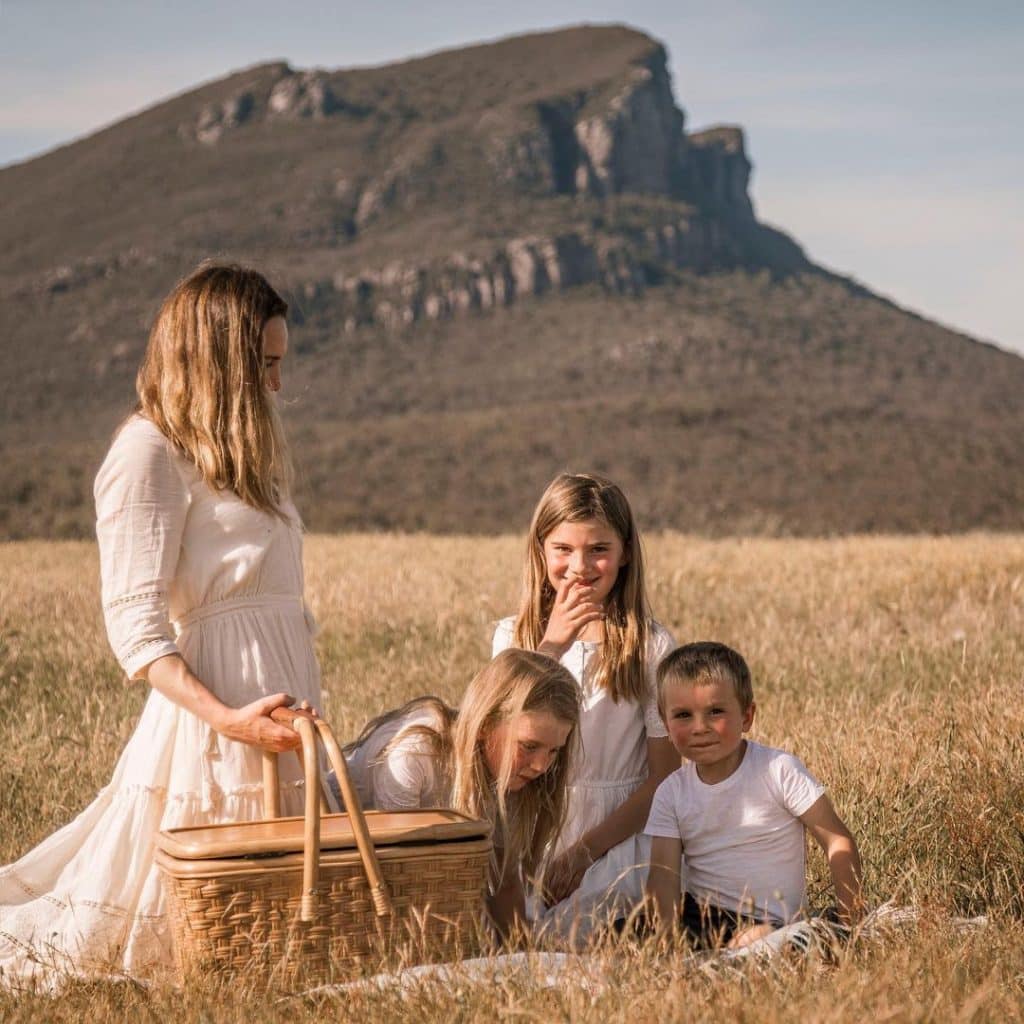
{"points": [[573, 498], [527, 821], [201, 382]]}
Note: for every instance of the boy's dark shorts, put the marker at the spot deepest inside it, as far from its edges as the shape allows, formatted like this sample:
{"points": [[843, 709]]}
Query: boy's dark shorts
{"points": [[708, 926], [704, 924]]}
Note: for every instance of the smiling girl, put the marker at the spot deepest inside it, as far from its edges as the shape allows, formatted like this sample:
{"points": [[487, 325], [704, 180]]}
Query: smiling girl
{"points": [[585, 603], [502, 757]]}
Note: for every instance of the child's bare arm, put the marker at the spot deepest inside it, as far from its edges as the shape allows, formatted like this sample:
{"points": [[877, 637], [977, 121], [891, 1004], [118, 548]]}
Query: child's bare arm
{"points": [[507, 908], [821, 820], [626, 820], [663, 882]]}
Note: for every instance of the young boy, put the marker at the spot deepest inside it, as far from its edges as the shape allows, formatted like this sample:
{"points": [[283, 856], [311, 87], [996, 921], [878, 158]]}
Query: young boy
{"points": [[736, 812]]}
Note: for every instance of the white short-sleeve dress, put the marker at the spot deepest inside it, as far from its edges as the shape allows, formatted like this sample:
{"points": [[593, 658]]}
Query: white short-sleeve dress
{"points": [[395, 768], [184, 569], [612, 764]]}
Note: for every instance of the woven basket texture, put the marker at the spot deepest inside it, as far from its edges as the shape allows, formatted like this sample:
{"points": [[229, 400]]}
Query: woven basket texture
{"points": [[244, 919]]}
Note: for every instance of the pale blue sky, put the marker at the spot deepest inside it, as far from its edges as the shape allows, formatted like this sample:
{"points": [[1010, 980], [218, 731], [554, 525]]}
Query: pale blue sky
{"points": [[886, 137]]}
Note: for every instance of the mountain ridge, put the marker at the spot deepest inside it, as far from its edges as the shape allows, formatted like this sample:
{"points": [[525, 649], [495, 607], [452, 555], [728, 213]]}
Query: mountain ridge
{"points": [[466, 238]]}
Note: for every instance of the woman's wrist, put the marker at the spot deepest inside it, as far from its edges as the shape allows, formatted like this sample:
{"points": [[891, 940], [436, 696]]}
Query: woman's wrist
{"points": [[220, 719]]}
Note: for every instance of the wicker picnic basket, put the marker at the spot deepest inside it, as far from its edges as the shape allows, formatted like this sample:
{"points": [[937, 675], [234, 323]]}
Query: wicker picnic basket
{"points": [[327, 896]]}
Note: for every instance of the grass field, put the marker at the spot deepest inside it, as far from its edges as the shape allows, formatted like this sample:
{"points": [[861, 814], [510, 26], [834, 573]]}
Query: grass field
{"points": [[892, 666]]}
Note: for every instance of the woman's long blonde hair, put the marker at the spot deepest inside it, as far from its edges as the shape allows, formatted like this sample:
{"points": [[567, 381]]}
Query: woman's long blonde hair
{"points": [[573, 498], [527, 821], [201, 382]]}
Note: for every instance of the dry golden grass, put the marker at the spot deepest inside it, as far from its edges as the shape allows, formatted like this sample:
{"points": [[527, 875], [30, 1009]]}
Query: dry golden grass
{"points": [[893, 666]]}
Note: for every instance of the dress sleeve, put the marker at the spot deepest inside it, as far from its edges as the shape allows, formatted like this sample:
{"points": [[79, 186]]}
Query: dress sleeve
{"points": [[141, 505], [406, 778], [502, 636], [659, 642]]}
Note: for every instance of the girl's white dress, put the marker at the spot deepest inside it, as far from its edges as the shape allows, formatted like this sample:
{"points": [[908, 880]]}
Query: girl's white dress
{"points": [[184, 569], [613, 763], [406, 777]]}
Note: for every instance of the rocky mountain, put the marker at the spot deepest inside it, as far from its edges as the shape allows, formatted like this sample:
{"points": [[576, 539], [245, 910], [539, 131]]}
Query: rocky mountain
{"points": [[502, 260]]}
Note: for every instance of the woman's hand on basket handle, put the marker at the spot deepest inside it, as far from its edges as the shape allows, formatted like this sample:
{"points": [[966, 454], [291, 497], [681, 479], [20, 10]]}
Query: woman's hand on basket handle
{"points": [[252, 724], [286, 715]]}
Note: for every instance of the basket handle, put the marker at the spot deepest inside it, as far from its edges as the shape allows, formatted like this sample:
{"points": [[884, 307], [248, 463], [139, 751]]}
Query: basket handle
{"points": [[308, 729], [272, 786], [378, 887]]}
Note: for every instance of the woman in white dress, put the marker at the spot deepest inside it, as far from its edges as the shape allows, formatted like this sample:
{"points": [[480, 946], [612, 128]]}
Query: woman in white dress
{"points": [[584, 603], [202, 588]]}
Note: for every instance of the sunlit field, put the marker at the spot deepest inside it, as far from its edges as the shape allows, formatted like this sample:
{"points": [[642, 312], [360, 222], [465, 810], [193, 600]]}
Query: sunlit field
{"points": [[892, 666]]}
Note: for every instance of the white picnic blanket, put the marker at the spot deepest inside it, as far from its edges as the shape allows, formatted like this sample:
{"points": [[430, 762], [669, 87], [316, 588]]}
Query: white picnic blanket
{"points": [[812, 937], [545, 970]]}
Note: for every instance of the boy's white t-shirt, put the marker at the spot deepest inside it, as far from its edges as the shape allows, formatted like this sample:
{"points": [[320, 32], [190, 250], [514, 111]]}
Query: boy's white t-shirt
{"points": [[743, 846]]}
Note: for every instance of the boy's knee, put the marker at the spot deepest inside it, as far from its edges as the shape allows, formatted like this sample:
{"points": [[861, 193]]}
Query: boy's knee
{"points": [[749, 935]]}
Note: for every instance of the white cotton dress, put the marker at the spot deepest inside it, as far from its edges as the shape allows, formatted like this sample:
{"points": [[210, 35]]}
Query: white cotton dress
{"points": [[404, 777], [611, 766], [184, 569]]}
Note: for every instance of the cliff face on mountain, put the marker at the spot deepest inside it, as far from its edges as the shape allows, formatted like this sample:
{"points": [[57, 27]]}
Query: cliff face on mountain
{"points": [[621, 135], [473, 243], [616, 136]]}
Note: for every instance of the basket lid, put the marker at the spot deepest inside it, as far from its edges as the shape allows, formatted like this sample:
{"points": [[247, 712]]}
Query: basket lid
{"points": [[285, 835]]}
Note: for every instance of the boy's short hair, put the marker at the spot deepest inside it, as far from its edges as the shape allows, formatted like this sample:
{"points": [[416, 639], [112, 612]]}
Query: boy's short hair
{"points": [[705, 662]]}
